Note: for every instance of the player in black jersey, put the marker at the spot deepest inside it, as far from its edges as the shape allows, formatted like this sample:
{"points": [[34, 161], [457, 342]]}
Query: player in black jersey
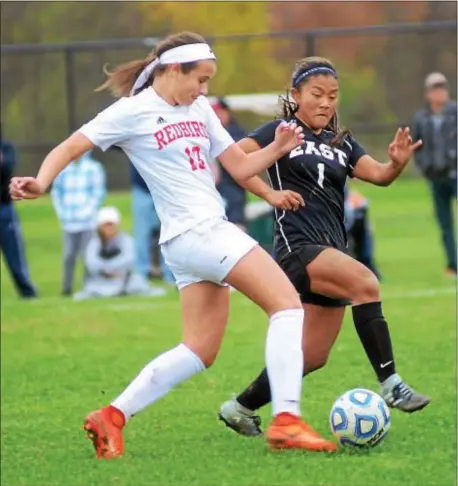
{"points": [[307, 189]]}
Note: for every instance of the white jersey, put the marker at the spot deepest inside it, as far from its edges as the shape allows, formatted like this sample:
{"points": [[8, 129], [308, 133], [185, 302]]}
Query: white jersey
{"points": [[172, 148]]}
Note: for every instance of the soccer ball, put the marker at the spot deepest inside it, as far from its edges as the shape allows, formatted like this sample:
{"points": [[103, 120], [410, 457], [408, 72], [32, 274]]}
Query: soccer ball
{"points": [[360, 418]]}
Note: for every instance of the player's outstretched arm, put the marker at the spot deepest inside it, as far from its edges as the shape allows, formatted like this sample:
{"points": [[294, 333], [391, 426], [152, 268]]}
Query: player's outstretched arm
{"points": [[400, 151], [56, 161], [287, 200], [241, 166]]}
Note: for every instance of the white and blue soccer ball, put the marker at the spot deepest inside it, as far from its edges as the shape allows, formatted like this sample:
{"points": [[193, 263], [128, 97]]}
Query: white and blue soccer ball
{"points": [[360, 418]]}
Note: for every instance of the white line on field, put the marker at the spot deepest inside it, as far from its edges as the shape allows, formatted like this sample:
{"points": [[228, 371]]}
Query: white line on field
{"points": [[140, 306], [412, 294], [58, 303], [417, 294]]}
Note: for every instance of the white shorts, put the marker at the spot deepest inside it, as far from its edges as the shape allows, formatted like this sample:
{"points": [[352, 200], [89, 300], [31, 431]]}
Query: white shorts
{"points": [[207, 252]]}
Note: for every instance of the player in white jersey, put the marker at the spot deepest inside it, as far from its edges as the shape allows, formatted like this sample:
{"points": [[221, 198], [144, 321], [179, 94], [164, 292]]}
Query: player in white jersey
{"points": [[167, 128]]}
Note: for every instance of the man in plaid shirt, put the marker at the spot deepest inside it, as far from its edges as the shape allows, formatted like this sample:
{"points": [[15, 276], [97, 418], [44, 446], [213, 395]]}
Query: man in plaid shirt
{"points": [[77, 195]]}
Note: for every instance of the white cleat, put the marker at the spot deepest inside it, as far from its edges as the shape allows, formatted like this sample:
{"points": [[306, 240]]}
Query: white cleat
{"points": [[240, 419]]}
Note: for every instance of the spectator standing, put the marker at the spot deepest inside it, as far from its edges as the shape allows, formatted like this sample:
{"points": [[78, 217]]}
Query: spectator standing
{"points": [[77, 194], [234, 196], [359, 229], [146, 225], [11, 242], [435, 124]]}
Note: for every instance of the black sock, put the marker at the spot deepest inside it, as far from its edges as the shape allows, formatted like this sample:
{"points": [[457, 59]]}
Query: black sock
{"points": [[374, 334], [257, 394]]}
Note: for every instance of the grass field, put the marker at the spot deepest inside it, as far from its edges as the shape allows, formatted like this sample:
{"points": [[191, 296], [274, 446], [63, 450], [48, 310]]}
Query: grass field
{"points": [[62, 359]]}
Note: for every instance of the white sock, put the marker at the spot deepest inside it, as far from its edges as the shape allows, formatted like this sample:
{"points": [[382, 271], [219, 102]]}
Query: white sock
{"points": [[157, 378], [285, 361]]}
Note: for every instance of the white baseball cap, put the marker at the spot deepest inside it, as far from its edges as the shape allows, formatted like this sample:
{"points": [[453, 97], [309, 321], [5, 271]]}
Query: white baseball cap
{"points": [[108, 214], [435, 79]]}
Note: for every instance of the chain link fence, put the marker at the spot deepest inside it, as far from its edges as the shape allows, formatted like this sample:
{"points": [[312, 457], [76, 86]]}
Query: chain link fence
{"points": [[47, 90]]}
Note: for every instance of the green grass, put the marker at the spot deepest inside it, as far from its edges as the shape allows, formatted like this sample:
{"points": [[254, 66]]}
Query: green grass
{"points": [[62, 359]]}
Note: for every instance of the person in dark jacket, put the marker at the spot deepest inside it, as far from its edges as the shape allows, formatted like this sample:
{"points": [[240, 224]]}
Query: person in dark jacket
{"points": [[234, 196], [435, 124], [11, 242]]}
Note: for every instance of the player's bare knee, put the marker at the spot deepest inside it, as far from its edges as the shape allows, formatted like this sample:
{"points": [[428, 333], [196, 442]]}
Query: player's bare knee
{"points": [[287, 301], [208, 359], [367, 289], [205, 353], [314, 363]]}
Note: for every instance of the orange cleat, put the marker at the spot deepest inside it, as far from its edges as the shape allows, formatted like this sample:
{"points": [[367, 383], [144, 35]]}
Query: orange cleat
{"points": [[104, 429], [290, 432]]}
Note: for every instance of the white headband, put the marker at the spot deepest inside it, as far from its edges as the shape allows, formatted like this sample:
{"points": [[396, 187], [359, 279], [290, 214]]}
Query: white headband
{"points": [[177, 55]]}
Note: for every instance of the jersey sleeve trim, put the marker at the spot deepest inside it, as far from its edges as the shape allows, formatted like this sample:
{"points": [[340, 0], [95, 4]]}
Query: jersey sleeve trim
{"points": [[265, 134]]}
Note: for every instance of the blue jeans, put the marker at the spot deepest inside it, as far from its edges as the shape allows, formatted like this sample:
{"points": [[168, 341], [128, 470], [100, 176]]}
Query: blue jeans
{"points": [[145, 222], [444, 192], [363, 240], [234, 202], [12, 246]]}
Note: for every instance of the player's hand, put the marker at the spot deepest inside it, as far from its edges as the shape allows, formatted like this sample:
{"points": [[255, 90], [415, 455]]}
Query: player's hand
{"points": [[25, 188], [402, 147], [286, 200], [288, 136]]}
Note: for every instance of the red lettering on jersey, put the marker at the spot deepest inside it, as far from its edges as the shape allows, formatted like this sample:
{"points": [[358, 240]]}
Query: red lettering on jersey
{"points": [[171, 137], [196, 128], [178, 131], [185, 129], [175, 131], [203, 129], [160, 139]]}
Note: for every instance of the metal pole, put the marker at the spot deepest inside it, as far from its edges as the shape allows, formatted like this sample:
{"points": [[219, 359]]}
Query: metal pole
{"points": [[310, 45], [70, 88]]}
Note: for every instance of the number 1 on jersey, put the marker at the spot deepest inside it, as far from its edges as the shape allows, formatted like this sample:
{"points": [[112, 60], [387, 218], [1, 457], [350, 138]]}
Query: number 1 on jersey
{"points": [[321, 175], [195, 158]]}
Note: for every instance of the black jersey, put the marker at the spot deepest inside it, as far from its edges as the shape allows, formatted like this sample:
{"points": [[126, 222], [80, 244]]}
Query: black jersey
{"points": [[317, 171]]}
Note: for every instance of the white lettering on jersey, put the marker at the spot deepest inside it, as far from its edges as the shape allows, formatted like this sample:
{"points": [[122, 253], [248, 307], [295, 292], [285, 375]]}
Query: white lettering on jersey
{"points": [[342, 156], [324, 150], [295, 152], [310, 148]]}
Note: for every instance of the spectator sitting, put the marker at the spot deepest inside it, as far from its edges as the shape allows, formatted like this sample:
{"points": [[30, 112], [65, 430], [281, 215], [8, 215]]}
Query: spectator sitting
{"points": [[109, 262], [77, 194]]}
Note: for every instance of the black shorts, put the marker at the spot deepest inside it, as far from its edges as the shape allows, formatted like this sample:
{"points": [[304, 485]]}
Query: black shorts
{"points": [[295, 266]]}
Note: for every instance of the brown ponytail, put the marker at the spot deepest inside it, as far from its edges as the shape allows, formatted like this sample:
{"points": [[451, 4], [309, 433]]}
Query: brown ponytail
{"points": [[289, 107], [121, 80]]}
